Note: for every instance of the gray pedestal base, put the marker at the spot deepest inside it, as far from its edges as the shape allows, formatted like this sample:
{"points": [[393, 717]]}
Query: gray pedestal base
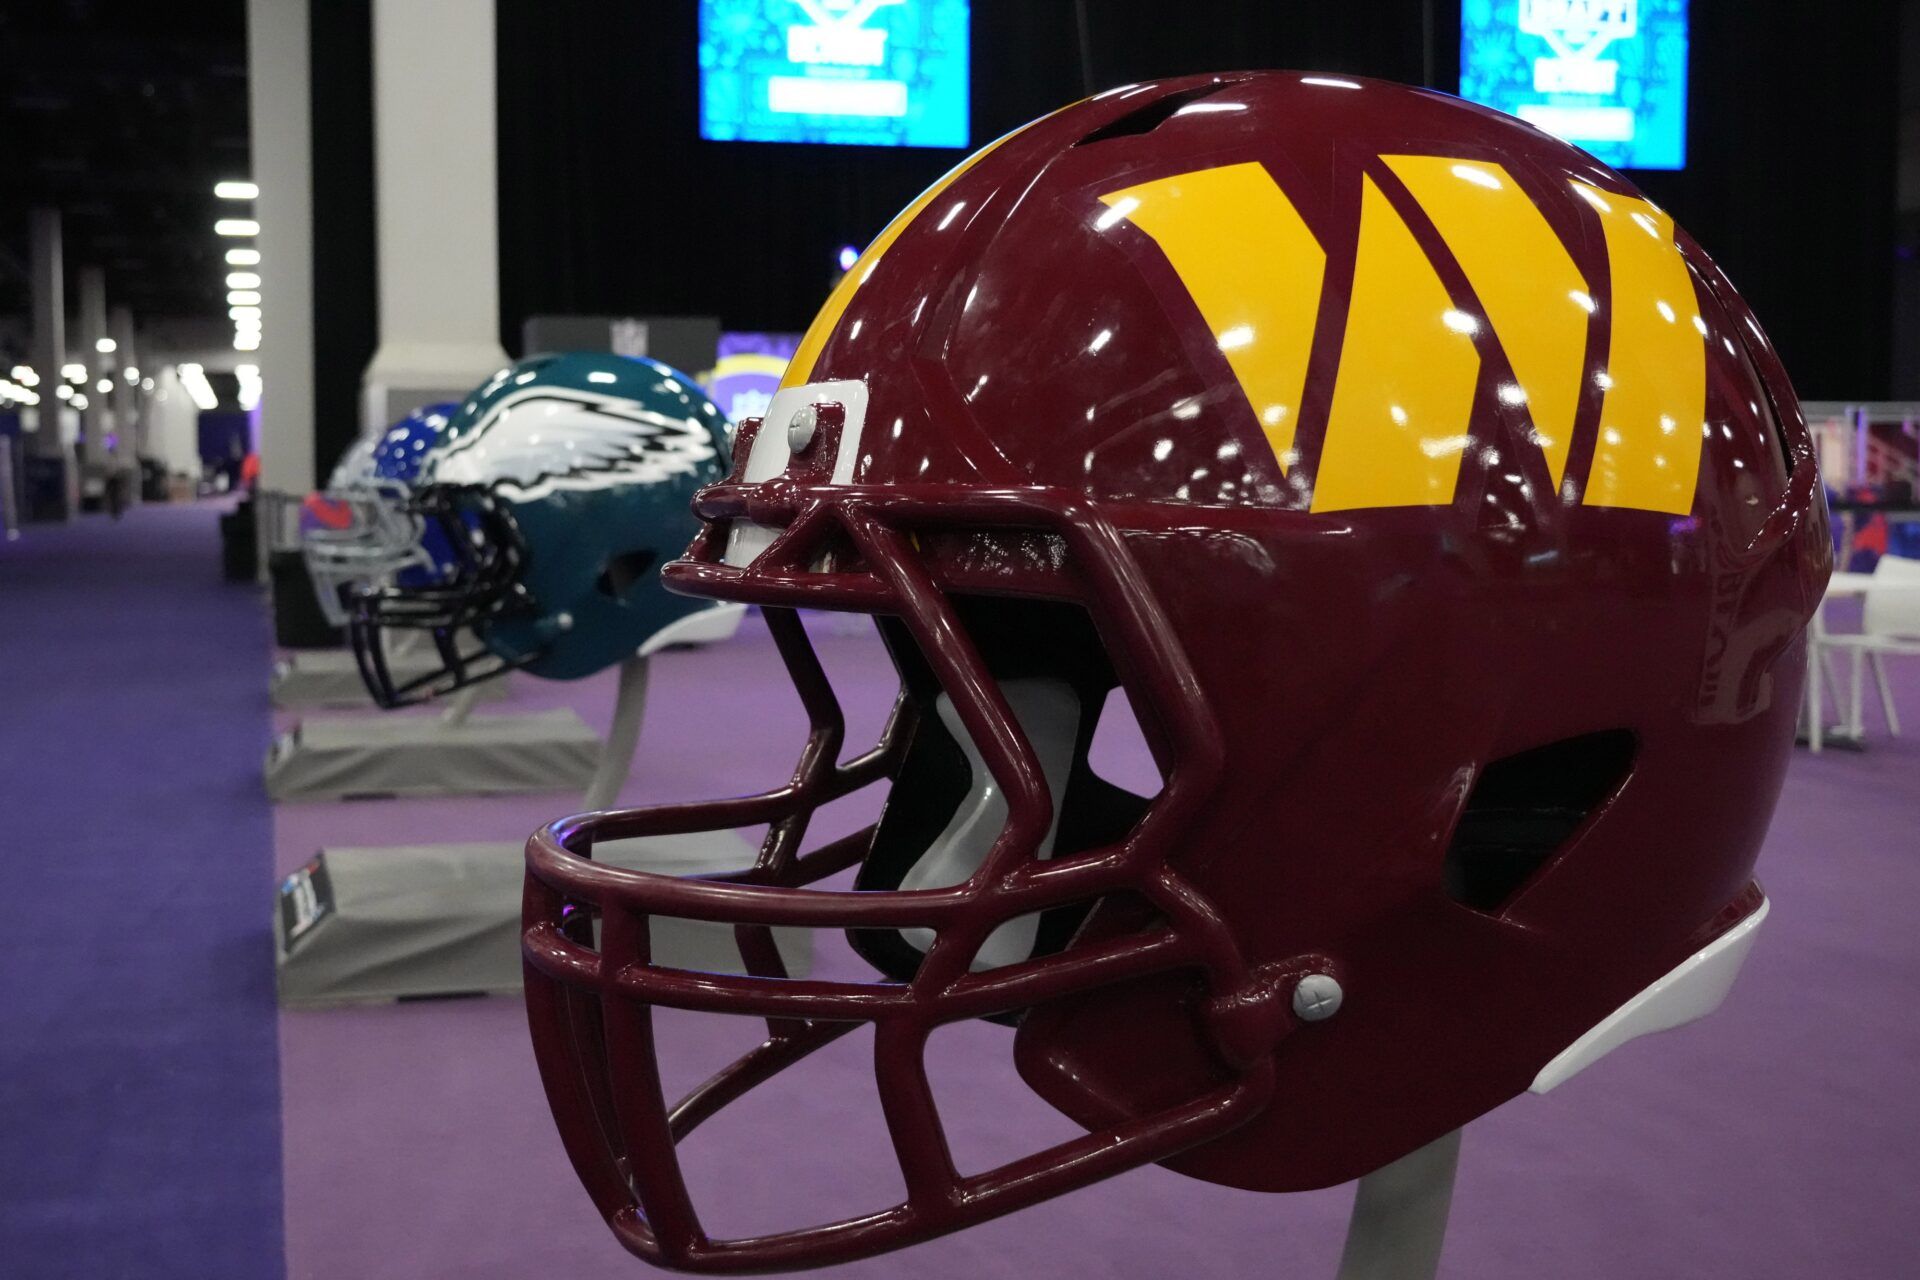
{"points": [[331, 678], [359, 925], [425, 756]]}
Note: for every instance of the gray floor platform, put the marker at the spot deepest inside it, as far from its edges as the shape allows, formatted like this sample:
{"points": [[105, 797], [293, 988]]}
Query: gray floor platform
{"points": [[330, 678], [333, 759], [368, 925]]}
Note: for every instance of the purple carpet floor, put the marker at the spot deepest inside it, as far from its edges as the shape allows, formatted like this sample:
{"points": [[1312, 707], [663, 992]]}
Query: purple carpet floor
{"points": [[139, 1092], [1779, 1139]]}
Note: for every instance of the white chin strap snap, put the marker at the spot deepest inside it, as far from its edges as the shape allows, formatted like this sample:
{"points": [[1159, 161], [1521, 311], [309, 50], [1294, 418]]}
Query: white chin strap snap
{"points": [[788, 427], [1049, 714]]}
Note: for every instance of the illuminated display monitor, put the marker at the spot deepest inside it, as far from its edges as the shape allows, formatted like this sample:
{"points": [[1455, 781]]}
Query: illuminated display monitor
{"points": [[1609, 76], [748, 372], [890, 73]]}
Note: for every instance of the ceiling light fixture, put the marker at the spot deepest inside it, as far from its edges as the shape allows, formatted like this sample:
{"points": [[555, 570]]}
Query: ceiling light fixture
{"points": [[194, 379], [249, 375]]}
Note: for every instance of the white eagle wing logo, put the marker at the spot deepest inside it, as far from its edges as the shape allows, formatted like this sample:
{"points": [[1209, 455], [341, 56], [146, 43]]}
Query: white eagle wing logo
{"points": [[540, 440]]}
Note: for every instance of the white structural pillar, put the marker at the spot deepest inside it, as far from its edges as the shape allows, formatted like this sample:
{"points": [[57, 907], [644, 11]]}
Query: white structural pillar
{"points": [[434, 171], [93, 327], [172, 424], [49, 352], [280, 104], [126, 397], [49, 326]]}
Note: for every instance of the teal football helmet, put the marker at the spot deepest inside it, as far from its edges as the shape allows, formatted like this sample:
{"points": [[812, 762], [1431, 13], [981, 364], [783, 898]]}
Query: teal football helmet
{"points": [[563, 483]]}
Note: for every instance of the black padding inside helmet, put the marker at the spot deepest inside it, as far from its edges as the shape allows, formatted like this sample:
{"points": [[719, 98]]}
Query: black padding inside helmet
{"points": [[625, 571], [1018, 639]]}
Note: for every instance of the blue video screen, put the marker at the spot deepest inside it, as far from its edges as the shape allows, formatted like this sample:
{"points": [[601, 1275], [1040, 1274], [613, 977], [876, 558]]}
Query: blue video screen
{"points": [[883, 73], [1609, 76]]}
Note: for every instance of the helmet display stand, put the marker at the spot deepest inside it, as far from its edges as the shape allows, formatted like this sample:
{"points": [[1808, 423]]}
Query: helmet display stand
{"points": [[455, 753], [1399, 1220], [429, 756], [460, 753], [313, 679], [422, 921]]}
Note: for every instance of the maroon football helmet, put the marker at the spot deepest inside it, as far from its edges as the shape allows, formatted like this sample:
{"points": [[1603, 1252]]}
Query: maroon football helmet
{"points": [[1448, 525]]}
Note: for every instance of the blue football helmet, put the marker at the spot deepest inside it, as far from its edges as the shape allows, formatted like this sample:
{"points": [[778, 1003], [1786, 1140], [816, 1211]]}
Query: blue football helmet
{"points": [[358, 530], [558, 489]]}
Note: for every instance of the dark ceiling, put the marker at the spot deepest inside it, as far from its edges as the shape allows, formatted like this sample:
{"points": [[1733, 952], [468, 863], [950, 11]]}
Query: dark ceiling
{"points": [[123, 114]]}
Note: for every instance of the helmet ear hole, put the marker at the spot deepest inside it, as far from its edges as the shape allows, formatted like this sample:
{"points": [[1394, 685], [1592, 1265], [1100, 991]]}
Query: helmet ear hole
{"points": [[1524, 809], [624, 571]]}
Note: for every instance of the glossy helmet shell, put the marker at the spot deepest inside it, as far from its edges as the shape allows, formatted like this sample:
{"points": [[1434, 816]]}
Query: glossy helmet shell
{"points": [[358, 531], [402, 449], [1452, 528], [396, 462], [1377, 605], [1380, 604], [592, 459], [354, 470], [330, 511]]}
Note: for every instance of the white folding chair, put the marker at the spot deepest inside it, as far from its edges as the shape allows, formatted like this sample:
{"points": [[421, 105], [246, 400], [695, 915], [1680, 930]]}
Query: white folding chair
{"points": [[1889, 627], [1821, 684]]}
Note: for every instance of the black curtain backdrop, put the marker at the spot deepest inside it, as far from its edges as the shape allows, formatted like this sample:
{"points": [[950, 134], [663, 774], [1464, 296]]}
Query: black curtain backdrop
{"points": [[611, 204], [346, 317]]}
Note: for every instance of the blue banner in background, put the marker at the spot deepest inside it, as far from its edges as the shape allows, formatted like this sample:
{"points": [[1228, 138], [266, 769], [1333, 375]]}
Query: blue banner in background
{"points": [[867, 72], [1609, 76]]}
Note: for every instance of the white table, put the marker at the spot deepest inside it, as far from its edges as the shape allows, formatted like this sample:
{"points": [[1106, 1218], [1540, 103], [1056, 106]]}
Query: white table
{"points": [[1851, 734]]}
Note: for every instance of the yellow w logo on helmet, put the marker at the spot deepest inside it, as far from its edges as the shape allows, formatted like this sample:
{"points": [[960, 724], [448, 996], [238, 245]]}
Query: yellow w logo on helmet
{"points": [[1411, 353]]}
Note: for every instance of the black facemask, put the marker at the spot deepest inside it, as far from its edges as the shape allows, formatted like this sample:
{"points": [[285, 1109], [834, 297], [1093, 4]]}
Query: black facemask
{"points": [[484, 584]]}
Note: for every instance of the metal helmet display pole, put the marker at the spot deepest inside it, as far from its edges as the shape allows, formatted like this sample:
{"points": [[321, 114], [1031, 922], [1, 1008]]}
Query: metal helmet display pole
{"points": [[461, 706], [1399, 1218], [623, 736]]}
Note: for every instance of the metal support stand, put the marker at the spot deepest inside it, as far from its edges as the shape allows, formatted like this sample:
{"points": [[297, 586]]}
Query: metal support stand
{"points": [[623, 736], [461, 707], [1399, 1218]]}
